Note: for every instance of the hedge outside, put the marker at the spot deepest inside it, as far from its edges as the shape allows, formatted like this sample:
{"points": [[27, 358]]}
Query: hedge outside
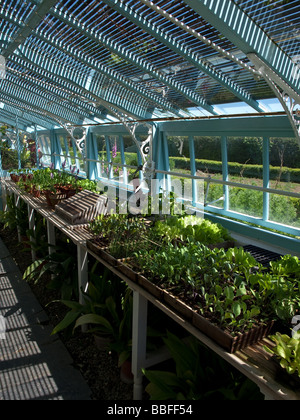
{"points": [[245, 170]]}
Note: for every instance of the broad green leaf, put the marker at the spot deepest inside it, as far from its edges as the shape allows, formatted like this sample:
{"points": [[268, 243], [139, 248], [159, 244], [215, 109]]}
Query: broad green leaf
{"points": [[69, 319], [229, 292], [236, 309], [95, 319]]}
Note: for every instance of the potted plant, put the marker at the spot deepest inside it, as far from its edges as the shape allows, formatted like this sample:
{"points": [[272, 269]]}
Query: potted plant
{"points": [[61, 264], [225, 294], [117, 326]]}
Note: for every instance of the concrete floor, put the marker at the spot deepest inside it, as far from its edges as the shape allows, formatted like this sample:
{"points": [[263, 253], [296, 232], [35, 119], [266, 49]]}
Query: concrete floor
{"points": [[33, 364]]}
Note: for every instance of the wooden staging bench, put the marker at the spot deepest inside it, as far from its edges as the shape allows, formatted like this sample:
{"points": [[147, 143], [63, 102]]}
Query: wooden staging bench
{"points": [[254, 362]]}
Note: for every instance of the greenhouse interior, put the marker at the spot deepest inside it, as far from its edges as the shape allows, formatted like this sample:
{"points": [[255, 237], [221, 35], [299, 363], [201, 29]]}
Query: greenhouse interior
{"points": [[150, 201]]}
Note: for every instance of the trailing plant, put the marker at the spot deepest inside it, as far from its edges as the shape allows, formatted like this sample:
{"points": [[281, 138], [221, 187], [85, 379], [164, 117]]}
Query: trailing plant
{"points": [[287, 350], [198, 374]]}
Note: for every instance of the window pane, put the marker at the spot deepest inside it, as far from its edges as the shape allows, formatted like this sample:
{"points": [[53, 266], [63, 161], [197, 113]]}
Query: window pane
{"points": [[208, 159], [179, 154], [131, 157], [284, 210], [285, 176], [45, 150], [245, 166]]}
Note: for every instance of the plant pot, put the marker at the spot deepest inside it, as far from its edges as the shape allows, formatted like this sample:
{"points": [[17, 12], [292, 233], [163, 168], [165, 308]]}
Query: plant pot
{"points": [[36, 193], [225, 339], [67, 190], [150, 287], [98, 249], [15, 178], [54, 198], [70, 193], [126, 375], [177, 304], [124, 268]]}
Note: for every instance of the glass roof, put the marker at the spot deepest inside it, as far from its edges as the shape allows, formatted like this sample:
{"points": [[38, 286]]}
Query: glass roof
{"points": [[69, 61]]}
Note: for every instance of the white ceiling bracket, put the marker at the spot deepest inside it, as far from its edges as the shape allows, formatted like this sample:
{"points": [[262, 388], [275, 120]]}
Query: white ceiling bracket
{"points": [[289, 99]]}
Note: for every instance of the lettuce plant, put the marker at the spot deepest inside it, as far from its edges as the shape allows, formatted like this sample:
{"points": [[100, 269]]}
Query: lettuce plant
{"points": [[287, 350], [192, 228]]}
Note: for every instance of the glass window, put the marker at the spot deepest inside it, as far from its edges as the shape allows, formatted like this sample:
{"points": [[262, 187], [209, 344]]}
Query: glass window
{"points": [[44, 150], [245, 166], [285, 176], [208, 163]]}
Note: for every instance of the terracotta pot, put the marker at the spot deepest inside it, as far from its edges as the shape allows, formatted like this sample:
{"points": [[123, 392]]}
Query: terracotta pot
{"points": [[36, 193], [54, 198], [126, 375]]}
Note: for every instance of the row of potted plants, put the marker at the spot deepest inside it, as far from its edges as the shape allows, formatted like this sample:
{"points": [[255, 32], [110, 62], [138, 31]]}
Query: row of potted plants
{"points": [[225, 293], [54, 184]]}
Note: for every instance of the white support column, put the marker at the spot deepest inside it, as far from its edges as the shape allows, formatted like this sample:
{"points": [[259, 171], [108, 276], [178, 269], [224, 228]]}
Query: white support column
{"points": [[51, 236], [139, 342], [31, 227], [82, 264], [82, 256]]}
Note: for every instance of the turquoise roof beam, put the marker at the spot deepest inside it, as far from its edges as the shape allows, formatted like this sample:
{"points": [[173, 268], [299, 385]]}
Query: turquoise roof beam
{"points": [[186, 52], [50, 94], [10, 119], [240, 29], [133, 58], [17, 108], [133, 89], [32, 102], [25, 28], [17, 90]]}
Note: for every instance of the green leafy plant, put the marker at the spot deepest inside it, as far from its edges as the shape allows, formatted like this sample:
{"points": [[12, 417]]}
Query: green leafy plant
{"points": [[50, 179], [116, 324], [61, 266], [101, 287], [287, 350], [230, 288], [121, 234], [199, 374], [14, 216], [192, 228]]}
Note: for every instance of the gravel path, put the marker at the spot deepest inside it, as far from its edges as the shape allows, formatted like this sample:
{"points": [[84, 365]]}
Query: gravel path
{"points": [[98, 367]]}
